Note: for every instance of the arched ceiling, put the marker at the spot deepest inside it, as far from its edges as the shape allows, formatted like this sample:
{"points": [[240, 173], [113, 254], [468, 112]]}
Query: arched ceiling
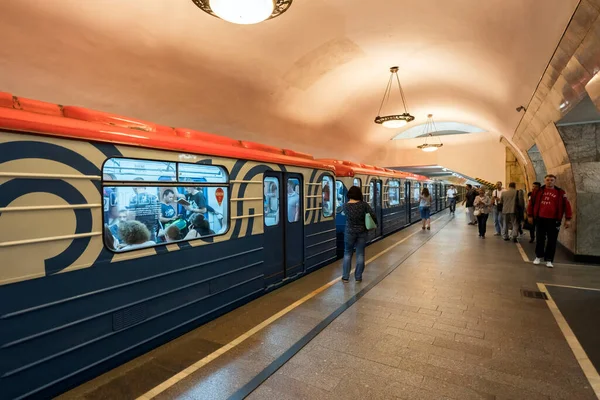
{"points": [[311, 79]]}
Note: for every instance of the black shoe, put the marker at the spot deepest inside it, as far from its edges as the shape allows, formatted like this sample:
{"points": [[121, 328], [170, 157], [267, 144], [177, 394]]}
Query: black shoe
{"points": [[506, 240], [359, 280], [515, 240], [345, 280], [531, 240], [428, 228]]}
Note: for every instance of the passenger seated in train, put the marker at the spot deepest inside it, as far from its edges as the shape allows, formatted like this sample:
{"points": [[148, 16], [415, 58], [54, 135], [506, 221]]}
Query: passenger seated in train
{"points": [[146, 208], [199, 228], [172, 234], [135, 235]]}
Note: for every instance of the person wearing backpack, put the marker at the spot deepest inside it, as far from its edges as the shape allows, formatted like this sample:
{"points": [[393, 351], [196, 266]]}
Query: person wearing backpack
{"points": [[355, 233]]}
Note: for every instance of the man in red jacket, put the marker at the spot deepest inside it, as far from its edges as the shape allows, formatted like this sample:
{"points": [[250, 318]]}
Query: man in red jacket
{"points": [[548, 205]]}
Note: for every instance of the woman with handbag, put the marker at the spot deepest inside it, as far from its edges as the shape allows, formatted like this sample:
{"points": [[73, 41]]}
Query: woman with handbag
{"points": [[360, 218], [482, 205]]}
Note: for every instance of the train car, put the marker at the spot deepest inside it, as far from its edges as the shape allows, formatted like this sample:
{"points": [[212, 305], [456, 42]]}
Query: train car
{"points": [[117, 235], [390, 193]]}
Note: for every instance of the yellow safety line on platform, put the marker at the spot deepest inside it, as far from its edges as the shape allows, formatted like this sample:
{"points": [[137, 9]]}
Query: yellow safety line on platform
{"points": [[199, 364], [584, 362], [523, 254]]}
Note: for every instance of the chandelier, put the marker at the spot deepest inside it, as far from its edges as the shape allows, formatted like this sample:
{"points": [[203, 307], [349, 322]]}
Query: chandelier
{"points": [[244, 11], [394, 120], [429, 130]]}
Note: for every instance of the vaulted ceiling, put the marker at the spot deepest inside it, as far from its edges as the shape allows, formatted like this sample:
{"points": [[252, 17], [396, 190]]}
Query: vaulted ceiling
{"points": [[311, 79]]}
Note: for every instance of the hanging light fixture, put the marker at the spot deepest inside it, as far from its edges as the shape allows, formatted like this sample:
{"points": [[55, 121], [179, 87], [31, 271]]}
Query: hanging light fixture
{"points": [[394, 120], [429, 130], [244, 11]]}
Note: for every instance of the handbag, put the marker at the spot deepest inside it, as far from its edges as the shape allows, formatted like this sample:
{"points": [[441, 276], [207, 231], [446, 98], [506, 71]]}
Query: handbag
{"points": [[369, 223], [477, 212]]}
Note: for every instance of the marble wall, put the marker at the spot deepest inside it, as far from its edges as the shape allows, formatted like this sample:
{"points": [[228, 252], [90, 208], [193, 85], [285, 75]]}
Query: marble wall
{"points": [[582, 143], [514, 171], [570, 154], [538, 163]]}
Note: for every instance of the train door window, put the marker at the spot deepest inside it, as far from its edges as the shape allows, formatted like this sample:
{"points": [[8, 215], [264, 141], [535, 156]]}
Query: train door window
{"points": [[271, 201], [394, 193], [372, 194], [327, 190], [401, 189], [357, 183], [293, 199], [150, 203], [339, 196]]}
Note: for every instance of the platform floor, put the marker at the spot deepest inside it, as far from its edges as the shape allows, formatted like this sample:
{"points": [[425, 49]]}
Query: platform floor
{"points": [[439, 315]]}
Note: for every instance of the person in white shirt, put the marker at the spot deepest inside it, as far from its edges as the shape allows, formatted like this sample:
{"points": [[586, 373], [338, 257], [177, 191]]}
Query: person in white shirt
{"points": [[497, 208], [451, 195]]}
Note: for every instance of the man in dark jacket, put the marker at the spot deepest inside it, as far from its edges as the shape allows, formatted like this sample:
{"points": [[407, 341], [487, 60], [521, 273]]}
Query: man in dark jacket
{"points": [[548, 205], [469, 200], [530, 195]]}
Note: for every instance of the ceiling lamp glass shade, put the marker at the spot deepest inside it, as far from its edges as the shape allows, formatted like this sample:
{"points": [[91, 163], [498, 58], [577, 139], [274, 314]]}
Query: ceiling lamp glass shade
{"points": [[393, 121], [429, 130], [244, 11]]}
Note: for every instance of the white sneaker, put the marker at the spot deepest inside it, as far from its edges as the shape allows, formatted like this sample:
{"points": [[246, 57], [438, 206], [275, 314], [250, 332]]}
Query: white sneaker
{"points": [[537, 261], [549, 264]]}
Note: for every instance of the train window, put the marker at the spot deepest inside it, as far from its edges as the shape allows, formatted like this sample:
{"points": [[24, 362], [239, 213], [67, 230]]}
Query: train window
{"points": [[416, 191], [293, 199], [327, 204], [126, 169], [144, 213], [340, 196], [201, 173], [394, 193], [271, 201], [357, 183], [372, 194], [402, 189]]}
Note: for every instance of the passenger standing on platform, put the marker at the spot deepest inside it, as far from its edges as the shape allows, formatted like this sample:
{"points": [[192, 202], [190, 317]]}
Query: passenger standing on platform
{"points": [[530, 195], [520, 211], [482, 204], [355, 233], [425, 208], [510, 205], [547, 207], [497, 208], [469, 200], [451, 195]]}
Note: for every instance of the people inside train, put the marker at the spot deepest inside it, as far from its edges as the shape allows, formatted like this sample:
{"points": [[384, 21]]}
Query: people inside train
{"points": [[482, 203], [355, 232], [510, 205], [135, 235], [468, 202], [293, 203], [110, 205], [425, 208], [146, 208], [531, 226], [327, 206], [197, 202], [114, 228], [199, 228], [451, 197], [547, 207], [172, 234], [167, 207], [109, 240], [497, 209]]}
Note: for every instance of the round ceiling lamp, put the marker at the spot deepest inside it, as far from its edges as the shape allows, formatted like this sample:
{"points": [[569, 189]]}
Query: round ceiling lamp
{"points": [[429, 130], [244, 12], [393, 121]]}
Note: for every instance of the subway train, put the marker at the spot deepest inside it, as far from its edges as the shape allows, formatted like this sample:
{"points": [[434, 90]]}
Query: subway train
{"points": [[118, 235]]}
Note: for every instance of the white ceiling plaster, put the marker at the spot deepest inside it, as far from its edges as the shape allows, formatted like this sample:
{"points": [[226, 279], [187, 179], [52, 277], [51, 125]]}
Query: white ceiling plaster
{"points": [[311, 79]]}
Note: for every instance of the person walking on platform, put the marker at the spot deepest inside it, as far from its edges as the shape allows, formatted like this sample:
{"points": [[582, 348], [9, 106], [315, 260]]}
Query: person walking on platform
{"points": [[482, 204], [355, 233], [425, 208], [510, 206], [497, 208], [547, 208], [531, 225], [469, 199], [451, 195]]}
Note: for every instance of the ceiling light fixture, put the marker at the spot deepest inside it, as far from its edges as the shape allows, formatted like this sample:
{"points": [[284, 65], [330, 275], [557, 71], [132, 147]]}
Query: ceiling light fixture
{"points": [[394, 120], [244, 12], [429, 130]]}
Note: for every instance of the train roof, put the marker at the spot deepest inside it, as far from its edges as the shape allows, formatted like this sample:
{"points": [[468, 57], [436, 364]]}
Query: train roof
{"points": [[34, 116], [349, 168]]}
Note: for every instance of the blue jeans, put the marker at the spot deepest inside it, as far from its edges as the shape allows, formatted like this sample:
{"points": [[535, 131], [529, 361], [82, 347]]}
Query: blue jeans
{"points": [[350, 240], [452, 204], [498, 220]]}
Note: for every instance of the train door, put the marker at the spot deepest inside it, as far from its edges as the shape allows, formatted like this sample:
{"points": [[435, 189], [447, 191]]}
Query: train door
{"points": [[407, 202], [375, 202], [284, 226]]}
